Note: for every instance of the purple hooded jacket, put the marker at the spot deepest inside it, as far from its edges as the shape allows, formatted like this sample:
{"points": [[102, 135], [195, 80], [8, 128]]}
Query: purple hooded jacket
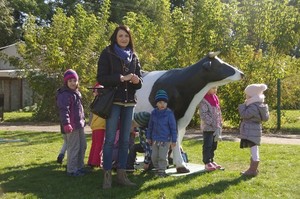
{"points": [[70, 107]]}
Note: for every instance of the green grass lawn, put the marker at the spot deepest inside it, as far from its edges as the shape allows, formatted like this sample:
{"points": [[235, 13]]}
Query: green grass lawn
{"points": [[289, 123], [17, 116], [28, 169]]}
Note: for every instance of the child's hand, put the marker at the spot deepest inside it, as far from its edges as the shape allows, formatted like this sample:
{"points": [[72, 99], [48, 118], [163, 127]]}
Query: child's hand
{"points": [[173, 144], [68, 128], [218, 134]]}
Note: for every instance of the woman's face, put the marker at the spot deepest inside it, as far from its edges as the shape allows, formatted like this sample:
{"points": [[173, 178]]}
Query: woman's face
{"points": [[122, 39]]}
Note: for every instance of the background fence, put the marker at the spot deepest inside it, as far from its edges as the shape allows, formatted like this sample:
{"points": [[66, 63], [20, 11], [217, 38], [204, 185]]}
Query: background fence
{"points": [[288, 104]]}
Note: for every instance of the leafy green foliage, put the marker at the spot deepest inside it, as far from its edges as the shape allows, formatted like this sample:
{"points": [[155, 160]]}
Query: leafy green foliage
{"points": [[258, 37], [70, 42], [6, 24]]}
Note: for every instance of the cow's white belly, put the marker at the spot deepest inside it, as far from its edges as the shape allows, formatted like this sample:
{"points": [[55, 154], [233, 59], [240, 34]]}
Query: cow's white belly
{"points": [[142, 94]]}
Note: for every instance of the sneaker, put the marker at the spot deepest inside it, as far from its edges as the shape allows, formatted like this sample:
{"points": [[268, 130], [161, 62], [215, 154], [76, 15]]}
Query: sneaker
{"points": [[216, 165], [162, 174], [91, 167], [60, 158], [85, 170], [182, 170], [130, 169], [210, 167], [75, 174], [170, 160]]}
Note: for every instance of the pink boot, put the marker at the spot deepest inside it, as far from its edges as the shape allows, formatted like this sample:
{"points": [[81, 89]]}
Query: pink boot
{"points": [[252, 171]]}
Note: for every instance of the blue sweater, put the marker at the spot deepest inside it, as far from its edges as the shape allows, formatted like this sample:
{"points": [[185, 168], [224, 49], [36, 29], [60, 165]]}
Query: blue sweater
{"points": [[162, 126]]}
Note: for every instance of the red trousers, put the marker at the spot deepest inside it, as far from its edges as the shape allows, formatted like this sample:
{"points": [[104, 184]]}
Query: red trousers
{"points": [[95, 157]]}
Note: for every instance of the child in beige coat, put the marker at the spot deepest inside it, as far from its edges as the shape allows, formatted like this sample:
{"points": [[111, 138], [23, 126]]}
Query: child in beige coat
{"points": [[252, 112]]}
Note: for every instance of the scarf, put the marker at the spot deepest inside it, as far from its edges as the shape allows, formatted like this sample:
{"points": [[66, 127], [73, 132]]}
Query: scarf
{"points": [[212, 99], [124, 54], [255, 98]]}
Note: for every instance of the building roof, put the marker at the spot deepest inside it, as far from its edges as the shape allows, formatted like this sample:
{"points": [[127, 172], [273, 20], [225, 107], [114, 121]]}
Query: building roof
{"points": [[14, 73]]}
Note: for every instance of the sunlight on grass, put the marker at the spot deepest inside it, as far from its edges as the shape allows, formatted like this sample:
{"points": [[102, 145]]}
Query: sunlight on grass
{"points": [[28, 169], [17, 116]]}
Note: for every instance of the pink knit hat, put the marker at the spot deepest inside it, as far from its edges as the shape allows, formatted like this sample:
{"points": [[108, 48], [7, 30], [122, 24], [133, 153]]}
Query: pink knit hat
{"points": [[255, 89], [69, 74]]}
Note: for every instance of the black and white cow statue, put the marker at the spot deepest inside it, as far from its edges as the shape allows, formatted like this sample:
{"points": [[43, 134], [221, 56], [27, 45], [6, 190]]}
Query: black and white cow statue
{"points": [[185, 87]]}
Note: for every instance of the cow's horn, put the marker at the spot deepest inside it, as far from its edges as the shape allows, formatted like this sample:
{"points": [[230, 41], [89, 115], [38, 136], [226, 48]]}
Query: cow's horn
{"points": [[213, 54]]}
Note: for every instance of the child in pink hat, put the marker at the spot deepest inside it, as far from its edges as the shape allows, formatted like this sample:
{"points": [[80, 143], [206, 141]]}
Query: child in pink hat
{"points": [[252, 112], [72, 120]]}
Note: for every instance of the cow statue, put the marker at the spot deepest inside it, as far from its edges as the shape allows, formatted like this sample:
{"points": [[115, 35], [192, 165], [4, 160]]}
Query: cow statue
{"points": [[185, 87]]}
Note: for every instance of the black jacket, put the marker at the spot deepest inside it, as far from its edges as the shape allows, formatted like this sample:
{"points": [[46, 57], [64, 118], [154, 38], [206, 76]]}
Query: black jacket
{"points": [[111, 67]]}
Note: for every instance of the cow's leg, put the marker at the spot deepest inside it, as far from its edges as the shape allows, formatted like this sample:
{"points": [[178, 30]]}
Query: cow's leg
{"points": [[177, 158]]}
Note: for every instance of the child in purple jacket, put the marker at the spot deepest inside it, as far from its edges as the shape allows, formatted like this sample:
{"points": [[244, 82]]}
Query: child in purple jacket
{"points": [[162, 132], [72, 121]]}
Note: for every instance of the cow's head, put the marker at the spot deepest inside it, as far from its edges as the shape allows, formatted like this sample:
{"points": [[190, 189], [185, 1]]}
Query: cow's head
{"points": [[216, 69]]}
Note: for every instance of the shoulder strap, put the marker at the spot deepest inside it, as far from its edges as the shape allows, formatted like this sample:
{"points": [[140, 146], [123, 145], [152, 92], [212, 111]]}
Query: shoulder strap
{"points": [[110, 60]]}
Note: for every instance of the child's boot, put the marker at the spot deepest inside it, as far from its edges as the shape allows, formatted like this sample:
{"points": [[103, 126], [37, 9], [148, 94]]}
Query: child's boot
{"points": [[252, 171], [107, 179], [123, 179]]}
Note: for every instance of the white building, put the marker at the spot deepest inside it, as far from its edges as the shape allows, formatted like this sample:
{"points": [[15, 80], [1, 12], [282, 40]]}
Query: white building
{"points": [[15, 92]]}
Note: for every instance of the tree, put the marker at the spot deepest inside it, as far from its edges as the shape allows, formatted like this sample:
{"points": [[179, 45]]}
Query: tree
{"points": [[6, 24], [153, 37], [144, 33], [253, 35], [177, 3], [70, 42]]}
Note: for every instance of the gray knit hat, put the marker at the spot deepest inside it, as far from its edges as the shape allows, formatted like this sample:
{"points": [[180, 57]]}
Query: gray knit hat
{"points": [[142, 118]]}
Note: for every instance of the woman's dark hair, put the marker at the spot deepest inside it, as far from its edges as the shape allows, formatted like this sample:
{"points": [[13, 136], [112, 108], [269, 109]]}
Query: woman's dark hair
{"points": [[113, 38]]}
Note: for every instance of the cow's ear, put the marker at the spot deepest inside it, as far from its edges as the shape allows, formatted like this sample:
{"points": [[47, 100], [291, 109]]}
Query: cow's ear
{"points": [[207, 65], [213, 54]]}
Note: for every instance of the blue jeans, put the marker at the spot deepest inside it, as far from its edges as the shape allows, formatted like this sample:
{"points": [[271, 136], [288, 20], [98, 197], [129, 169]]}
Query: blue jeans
{"points": [[121, 117], [209, 147]]}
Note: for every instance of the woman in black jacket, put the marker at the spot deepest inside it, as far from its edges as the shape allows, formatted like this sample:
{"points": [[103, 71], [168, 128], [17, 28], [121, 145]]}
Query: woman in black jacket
{"points": [[118, 66]]}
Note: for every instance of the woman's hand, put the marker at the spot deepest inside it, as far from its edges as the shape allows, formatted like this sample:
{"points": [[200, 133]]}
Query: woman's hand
{"points": [[135, 79], [126, 77]]}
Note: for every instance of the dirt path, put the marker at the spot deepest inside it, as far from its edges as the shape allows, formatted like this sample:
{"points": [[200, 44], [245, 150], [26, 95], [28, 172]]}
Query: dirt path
{"points": [[266, 138], [191, 133]]}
